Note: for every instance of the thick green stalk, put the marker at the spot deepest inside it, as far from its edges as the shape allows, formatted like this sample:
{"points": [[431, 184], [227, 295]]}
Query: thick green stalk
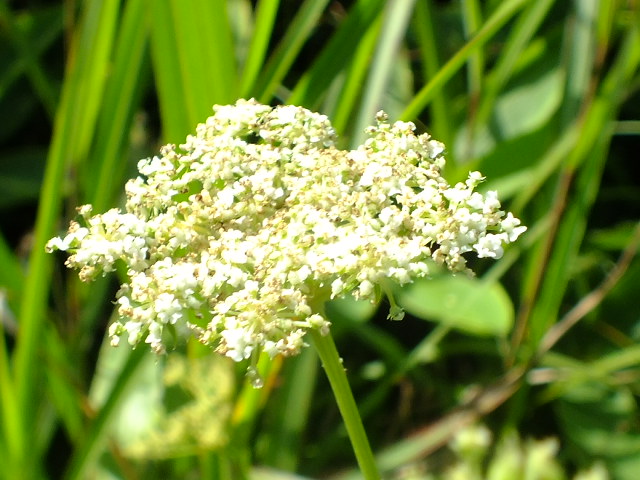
{"points": [[332, 364]]}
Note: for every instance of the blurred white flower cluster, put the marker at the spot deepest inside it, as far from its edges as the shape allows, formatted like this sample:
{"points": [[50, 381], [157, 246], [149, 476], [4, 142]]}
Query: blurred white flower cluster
{"points": [[240, 234]]}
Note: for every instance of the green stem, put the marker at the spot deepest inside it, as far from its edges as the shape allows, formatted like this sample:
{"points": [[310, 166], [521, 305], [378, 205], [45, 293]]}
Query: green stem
{"points": [[336, 374]]}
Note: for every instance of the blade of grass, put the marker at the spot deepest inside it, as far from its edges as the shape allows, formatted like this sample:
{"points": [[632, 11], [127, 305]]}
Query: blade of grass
{"points": [[186, 19], [291, 414], [220, 69], [12, 281], [287, 50], [29, 56], [120, 101], [592, 127], [46, 36], [500, 17], [355, 78], [264, 21], [12, 433], [336, 55], [90, 446], [520, 35], [589, 155], [193, 61], [73, 131], [472, 20], [580, 58], [441, 124], [169, 83], [395, 19]]}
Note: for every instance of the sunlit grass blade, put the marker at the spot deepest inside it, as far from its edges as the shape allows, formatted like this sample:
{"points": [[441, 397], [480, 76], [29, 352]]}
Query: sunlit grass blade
{"points": [[336, 55], [472, 21], [396, 17], [493, 24], [590, 154], [218, 53], [264, 21], [287, 50], [89, 449], [290, 415], [519, 37], [355, 77], [174, 111], [193, 63], [11, 433], [73, 131], [121, 98], [441, 124]]}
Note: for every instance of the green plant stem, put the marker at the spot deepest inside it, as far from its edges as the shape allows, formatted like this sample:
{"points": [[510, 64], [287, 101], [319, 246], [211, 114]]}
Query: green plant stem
{"points": [[332, 364]]}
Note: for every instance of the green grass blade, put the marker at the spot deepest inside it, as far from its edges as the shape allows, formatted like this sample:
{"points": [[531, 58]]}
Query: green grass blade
{"points": [[396, 17], [580, 58], [221, 71], [472, 20], [90, 447], [265, 15], [441, 125], [519, 37], [174, 114], [193, 62], [589, 155], [336, 55], [291, 414], [500, 17], [120, 101], [62, 385], [29, 56], [287, 50], [73, 132], [11, 438], [355, 78]]}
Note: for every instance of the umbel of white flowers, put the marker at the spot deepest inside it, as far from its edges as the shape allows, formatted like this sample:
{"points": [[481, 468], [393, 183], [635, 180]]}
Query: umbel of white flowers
{"points": [[239, 234]]}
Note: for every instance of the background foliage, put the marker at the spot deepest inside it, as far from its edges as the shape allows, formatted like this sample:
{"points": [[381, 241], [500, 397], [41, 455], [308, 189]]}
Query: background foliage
{"points": [[541, 96]]}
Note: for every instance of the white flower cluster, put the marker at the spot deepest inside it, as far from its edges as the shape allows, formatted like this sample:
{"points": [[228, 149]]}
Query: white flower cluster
{"points": [[240, 234]]}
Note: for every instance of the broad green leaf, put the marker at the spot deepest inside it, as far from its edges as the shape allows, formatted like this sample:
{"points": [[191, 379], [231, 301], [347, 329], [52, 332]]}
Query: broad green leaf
{"points": [[527, 107], [524, 110], [463, 303]]}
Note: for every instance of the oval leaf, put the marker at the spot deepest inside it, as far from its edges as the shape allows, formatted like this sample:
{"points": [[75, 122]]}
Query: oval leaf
{"points": [[466, 304]]}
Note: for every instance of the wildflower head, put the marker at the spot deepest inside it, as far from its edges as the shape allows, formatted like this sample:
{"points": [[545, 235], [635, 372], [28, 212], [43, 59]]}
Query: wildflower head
{"points": [[238, 235]]}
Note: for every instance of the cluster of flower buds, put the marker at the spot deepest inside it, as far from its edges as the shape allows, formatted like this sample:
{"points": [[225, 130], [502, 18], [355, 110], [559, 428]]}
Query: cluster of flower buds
{"points": [[240, 234]]}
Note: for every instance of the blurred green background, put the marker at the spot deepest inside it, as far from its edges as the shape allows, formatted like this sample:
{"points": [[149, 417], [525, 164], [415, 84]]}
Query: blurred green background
{"points": [[542, 96]]}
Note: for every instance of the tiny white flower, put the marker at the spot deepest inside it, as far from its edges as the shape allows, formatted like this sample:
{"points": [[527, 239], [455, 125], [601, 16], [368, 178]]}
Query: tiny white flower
{"points": [[490, 245], [134, 330]]}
